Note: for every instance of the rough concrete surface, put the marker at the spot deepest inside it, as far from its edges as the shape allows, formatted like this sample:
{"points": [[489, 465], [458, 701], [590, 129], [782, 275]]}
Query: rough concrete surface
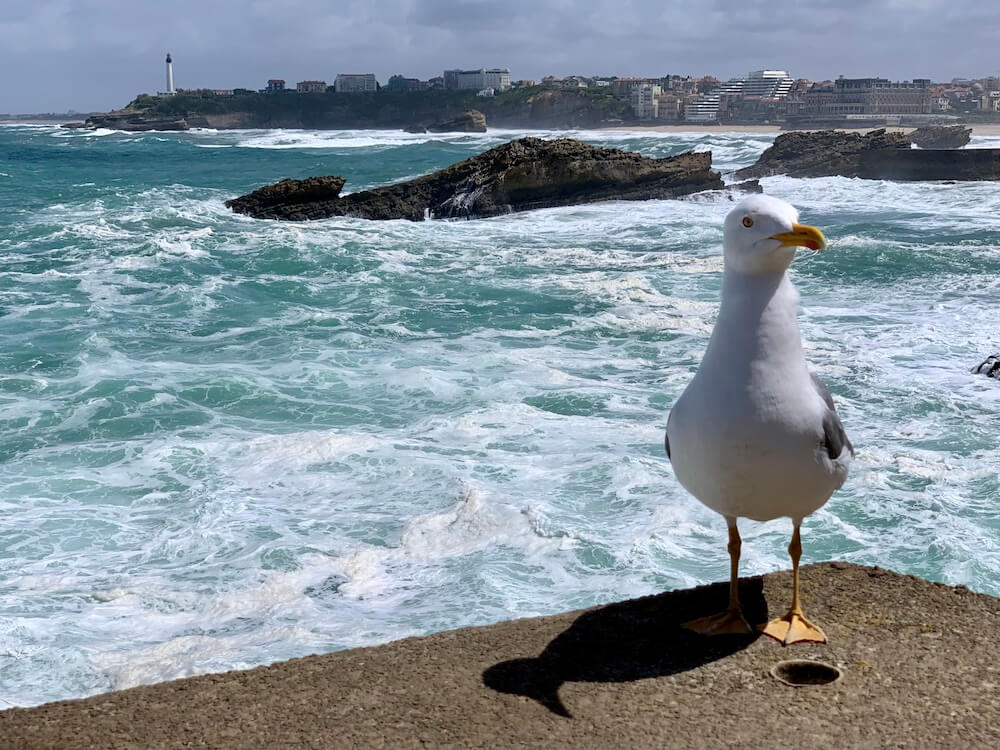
{"points": [[919, 662]]}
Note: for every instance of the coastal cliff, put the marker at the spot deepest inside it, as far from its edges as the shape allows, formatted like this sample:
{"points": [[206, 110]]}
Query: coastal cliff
{"points": [[917, 661], [524, 174]]}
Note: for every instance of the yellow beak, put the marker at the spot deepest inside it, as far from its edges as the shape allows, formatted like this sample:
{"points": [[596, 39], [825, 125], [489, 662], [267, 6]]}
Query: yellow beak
{"points": [[802, 235]]}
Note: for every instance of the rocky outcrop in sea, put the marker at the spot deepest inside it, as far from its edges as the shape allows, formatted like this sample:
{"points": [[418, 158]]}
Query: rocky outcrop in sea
{"points": [[135, 121], [941, 136], [990, 367], [822, 153], [521, 175], [470, 121]]}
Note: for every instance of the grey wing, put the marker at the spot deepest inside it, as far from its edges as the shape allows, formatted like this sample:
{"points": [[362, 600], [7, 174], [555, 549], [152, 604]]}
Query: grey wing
{"points": [[834, 437], [666, 434]]}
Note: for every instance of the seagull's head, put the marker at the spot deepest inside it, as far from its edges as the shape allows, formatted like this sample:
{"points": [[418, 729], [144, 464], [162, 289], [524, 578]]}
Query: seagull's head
{"points": [[762, 233]]}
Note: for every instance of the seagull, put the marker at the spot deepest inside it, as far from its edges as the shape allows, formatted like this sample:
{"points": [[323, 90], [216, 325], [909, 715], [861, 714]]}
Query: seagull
{"points": [[755, 434]]}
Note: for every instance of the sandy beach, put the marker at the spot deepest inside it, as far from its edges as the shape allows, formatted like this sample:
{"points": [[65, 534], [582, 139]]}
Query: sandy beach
{"points": [[684, 127], [990, 129], [917, 664]]}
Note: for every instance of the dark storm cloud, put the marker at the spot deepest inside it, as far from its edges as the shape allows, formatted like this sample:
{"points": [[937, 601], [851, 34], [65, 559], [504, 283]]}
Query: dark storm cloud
{"points": [[96, 54]]}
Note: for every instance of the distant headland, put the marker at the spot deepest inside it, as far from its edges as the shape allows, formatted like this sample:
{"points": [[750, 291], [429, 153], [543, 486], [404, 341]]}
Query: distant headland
{"points": [[529, 107]]}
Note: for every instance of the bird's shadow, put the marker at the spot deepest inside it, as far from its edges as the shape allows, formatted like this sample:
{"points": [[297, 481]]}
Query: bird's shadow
{"points": [[631, 640]]}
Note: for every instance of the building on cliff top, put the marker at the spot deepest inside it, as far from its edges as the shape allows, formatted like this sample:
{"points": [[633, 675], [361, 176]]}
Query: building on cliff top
{"points": [[170, 76], [170, 79], [402, 84], [311, 87], [477, 80], [355, 83], [622, 87]]}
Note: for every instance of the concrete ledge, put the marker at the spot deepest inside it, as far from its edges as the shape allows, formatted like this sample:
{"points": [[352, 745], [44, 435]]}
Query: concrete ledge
{"points": [[919, 664]]}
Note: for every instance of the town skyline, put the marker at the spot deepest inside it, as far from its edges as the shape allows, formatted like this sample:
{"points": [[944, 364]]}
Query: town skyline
{"points": [[766, 96], [64, 56], [550, 78]]}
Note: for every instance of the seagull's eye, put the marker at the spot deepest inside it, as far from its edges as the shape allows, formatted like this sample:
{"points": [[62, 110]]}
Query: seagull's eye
{"points": [[747, 222]]}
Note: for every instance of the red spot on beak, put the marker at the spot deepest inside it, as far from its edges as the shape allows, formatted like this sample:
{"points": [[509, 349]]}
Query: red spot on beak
{"points": [[812, 245]]}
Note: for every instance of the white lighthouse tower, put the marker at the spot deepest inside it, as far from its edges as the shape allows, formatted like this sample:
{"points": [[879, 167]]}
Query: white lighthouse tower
{"points": [[170, 76]]}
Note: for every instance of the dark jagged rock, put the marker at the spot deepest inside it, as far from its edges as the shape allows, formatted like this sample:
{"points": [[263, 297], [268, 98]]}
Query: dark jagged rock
{"points": [[747, 186], [288, 199], [471, 121], [941, 136], [990, 367], [734, 191], [521, 175], [135, 121], [822, 153]]}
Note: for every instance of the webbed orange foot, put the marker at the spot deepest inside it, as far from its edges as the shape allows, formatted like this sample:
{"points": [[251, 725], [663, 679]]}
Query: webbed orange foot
{"points": [[729, 622], [793, 628]]}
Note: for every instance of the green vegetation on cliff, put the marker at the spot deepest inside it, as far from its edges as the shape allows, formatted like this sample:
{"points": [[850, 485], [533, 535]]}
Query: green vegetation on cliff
{"points": [[537, 106], [361, 105]]}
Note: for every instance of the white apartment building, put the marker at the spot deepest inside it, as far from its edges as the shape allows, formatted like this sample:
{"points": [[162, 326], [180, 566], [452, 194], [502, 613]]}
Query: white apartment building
{"points": [[496, 78], [767, 83], [763, 83], [645, 100], [355, 83], [484, 78]]}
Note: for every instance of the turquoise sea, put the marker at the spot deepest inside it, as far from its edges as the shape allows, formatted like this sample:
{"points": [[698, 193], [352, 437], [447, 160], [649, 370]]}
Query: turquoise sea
{"points": [[226, 442]]}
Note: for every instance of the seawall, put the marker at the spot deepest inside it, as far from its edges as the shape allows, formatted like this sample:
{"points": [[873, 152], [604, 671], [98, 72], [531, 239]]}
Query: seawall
{"points": [[931, 164], [918, 661]]}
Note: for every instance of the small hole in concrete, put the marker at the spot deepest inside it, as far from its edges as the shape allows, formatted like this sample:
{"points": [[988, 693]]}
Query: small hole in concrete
{"points": [[800, 672]]}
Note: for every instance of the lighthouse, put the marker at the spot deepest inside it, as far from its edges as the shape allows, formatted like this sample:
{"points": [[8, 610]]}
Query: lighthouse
{"points": [[170, 76]]}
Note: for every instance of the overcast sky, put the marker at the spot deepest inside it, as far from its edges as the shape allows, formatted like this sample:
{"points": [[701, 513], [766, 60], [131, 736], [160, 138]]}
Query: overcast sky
{"points": [[88, 55]]}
